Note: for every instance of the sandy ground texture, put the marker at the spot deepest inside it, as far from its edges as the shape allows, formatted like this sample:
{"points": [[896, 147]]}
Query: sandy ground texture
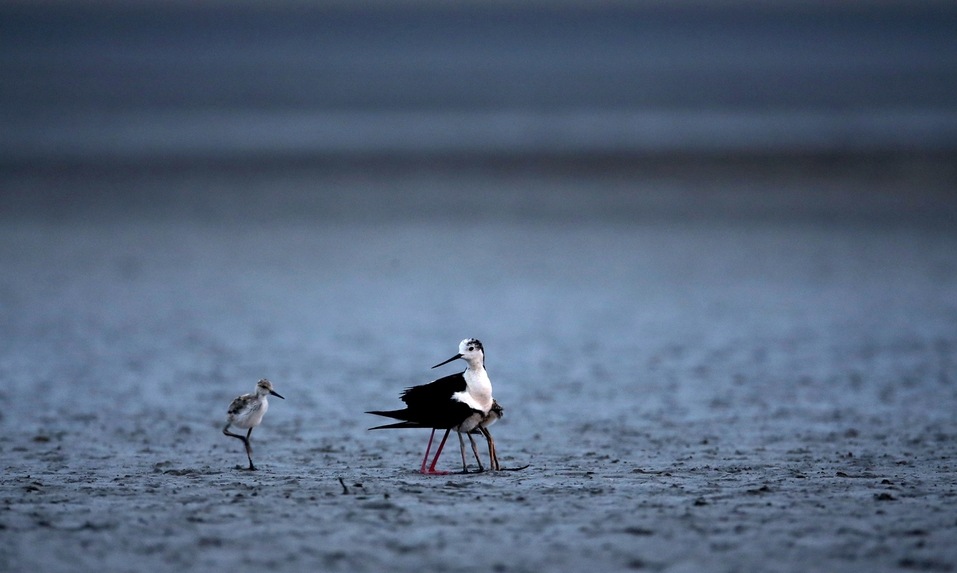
{"points": [[727, 369]]}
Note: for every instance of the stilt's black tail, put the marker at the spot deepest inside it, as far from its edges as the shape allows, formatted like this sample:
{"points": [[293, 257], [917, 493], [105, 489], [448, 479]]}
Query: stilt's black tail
{"points": [[398, 415], [399, 425]]}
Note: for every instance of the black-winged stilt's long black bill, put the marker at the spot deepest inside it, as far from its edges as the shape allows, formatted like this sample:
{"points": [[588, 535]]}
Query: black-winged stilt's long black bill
{"points": [[456, 357]]}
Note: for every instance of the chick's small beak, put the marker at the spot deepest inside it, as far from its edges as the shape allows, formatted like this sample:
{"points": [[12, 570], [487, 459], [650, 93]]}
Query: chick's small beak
{"points": [[276, 394]]}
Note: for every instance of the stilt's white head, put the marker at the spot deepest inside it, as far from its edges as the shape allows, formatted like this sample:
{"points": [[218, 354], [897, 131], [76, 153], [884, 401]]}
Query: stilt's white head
{"points": [[471, 351]]}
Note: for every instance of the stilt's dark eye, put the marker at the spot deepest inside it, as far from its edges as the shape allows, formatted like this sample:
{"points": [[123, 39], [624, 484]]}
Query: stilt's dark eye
{"points": [[471, 349]]}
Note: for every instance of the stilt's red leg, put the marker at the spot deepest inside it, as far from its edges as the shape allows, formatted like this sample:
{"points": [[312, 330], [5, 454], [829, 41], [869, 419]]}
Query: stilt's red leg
{"points": [[438, 453], [427, 449]]}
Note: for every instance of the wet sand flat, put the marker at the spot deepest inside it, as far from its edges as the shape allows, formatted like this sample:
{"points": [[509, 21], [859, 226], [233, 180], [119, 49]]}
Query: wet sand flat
{"points": [[725, 369]]}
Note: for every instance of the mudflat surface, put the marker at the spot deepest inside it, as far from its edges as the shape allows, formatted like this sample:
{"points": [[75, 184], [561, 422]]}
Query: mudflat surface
{"points": [[724, 369]]}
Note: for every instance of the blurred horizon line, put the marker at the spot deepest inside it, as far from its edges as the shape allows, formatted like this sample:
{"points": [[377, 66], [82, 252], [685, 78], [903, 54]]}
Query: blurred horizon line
{"points": [[225, 134]]}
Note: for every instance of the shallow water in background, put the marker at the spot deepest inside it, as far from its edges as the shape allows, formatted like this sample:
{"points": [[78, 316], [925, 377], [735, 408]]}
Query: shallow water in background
{"points": [[133, 81]]}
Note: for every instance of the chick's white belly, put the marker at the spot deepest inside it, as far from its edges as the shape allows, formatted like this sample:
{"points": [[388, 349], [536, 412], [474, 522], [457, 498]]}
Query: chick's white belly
{"points": [[251, 417], [470, 423]]}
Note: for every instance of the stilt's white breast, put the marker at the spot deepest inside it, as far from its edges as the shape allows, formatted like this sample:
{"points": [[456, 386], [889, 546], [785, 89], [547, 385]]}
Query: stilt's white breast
{"points": [[478, 390]]}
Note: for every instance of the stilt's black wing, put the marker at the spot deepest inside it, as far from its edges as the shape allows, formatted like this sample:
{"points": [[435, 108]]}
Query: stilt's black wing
{"points": [[434, 394], [431, 405]]}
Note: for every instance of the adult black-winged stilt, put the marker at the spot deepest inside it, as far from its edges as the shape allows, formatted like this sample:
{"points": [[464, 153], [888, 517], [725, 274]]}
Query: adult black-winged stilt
{"points": [[458, 402], [247, 411]]}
